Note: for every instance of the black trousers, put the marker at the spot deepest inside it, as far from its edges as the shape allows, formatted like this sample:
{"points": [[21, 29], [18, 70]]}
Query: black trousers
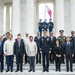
{"points": [[38, 56], [58, 64], [69, 59], [74, 58], [52, 57], [26, 60], [19, 62], [1, 62], [45, 57], [9, 62]]}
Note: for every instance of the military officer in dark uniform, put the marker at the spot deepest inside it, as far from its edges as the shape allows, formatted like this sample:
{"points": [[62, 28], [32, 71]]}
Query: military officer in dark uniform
{"points": [[37, 40], [62, 42], [45, 48], [40, 27], [69, 53], [53, 39], [51, 25], [73, 41], [45, 25]]}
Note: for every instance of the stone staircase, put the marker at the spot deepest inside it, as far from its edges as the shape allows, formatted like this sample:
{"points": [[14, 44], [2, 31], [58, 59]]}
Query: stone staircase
{"points": [[38, 70]]}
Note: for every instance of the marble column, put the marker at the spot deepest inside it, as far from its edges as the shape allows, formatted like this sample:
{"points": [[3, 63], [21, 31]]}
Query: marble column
{"points": [[30, 16], [15, 17], [72, 15], [59, 15], [1, 16], [7, 18]]}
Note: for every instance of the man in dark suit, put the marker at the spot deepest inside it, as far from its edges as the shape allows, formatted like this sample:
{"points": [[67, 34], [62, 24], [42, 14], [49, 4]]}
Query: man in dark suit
{"points": [[53, 39], [37, 40], [1, 54], [45, 48], [51, 25], [40, 27], [45, 25], [19, 51], [73, 41], [69, 53]]}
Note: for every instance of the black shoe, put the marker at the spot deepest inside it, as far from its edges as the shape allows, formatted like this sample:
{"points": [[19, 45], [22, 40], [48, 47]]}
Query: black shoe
{"points": [[59, 70], [16, 70], [67, 71], [7, 70], [1, 70], [56, 70], [47, 70], [43, 70], [33, 70], [21, 71], [71, 71], [29, 70], [11, 70]]}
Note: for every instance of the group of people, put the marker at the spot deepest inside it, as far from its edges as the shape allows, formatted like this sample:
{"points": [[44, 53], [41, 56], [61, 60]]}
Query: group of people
{"points": [[45, 26], [49, 47]]}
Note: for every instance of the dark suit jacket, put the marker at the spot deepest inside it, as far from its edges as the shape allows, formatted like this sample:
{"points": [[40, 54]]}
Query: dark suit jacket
{"points": [[68, 49], [58, 50], [17, 48], [45, 44], [73, 41], [1, 48], [37, 41], [53, 42]]}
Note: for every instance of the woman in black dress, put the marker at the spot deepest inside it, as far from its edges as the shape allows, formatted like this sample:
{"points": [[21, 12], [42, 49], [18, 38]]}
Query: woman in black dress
{"points": [[58, 54]]}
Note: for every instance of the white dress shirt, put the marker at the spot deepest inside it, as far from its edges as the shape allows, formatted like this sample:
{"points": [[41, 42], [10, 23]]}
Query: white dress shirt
{"points": [[31, 48], [9, 47]]}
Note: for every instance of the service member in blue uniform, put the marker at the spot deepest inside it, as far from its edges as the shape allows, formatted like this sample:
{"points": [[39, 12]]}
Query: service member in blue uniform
{"points": [[40, 27], [1, 54], [45, 25], [51, 25], [45, 48]]}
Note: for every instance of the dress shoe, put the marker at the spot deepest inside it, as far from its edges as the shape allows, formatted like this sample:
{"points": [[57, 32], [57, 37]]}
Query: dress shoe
{"points": [[43, 70], [33, 70], [16, 70], [7, 70], [29, 70]]}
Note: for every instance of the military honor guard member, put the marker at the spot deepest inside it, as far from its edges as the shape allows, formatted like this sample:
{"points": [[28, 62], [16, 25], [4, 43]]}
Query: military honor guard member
{"points": [[45, 25], [40, 27], [51, 25], [69, 54], [45, 48], [58, 54]]}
